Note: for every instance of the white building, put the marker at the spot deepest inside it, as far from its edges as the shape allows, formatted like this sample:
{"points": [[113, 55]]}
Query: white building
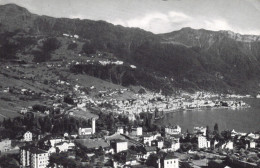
{"points": [[170, 162], [252, 144], [62, 147], [33, 157], [228, 145], [88, 131], [55, 141], [173, 130], [175, 145], [23, 111], [139, 131], [120, 130], [5, 145], [120, 145], [147, 139], [160, 144], [200, 130], [27, 136], [203, 142]]}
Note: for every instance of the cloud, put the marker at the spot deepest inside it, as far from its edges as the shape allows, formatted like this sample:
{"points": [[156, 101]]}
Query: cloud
{"points": [[155, 22], [217, 24]]}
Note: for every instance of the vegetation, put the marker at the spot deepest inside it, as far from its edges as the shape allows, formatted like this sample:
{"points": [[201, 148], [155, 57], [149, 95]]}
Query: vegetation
{"points": [[72, 46], [9, 161], [43, 53]]}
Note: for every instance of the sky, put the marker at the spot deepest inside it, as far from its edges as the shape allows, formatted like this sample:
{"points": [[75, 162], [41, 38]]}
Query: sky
{"points": [[157, 16]]}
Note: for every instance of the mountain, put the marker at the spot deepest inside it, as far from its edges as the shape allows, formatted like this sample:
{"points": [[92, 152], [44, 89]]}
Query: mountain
{"points": [[218, 61]]}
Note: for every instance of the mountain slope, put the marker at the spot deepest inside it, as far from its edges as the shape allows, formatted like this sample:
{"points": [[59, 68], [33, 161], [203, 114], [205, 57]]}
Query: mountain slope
{"points": [[190, 59]]}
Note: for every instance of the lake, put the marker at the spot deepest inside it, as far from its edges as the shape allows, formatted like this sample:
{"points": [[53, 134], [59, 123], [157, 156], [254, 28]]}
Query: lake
{"points": [[244, 119]]}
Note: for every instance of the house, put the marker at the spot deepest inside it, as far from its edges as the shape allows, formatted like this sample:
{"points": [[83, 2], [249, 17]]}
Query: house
{"points": [[149, 150], [65, 146], [200, 130], [175, 145], [137, 131], [33, 157], [51, 140], [252, 144], [120, 130], [88, 131], [159, 144], [27, 136], [170, 161], [228, 145], [66, 134], [5, 145], [173, 130], [119, 145], [24, 110], [148, 138], [203, 142], [62, 147], [253, 136]]}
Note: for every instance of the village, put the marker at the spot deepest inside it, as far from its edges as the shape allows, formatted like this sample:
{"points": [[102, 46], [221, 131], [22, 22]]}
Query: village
{"points": [[106, 130], [132, 147]]}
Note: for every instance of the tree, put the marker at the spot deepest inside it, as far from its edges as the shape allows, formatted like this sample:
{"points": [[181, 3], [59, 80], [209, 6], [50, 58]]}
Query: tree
{"points": [[216, 128], [47, 124], [43, 53], [152, 160], [68, 99], [88, 48], [207, 132]]}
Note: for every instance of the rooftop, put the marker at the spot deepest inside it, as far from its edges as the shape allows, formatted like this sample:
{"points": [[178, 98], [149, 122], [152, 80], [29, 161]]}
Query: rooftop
{"points": [[34, 150], [93, 143], [170, 156], [150, 148]]}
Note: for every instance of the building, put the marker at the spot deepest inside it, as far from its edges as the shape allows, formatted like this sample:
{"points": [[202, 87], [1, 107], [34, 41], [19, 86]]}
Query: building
{"points": [[149, 150], [5, 145], [120, 130], [62, 147], [27, 136], [200, 130], [173, 130], [147, 139], [119, 145], [203, 142], [228, 145], [252, 144], [51, 140], [88, 131], [170, 161], [160, 144], [139, 131], [33, 157], [175, 145]]}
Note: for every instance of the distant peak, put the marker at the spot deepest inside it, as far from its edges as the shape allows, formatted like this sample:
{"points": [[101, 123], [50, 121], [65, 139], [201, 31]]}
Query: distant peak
{"points": [[14, 7]]}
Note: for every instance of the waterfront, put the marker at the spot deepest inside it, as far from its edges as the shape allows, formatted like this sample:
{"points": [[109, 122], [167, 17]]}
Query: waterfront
{"points": [[243, 119]]}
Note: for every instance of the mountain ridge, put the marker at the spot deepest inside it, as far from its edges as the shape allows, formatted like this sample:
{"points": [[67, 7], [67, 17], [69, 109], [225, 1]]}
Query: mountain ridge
{"points": [[195, 59]]}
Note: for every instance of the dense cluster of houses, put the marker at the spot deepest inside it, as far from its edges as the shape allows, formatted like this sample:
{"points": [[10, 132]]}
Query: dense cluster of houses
{"points": [[133, 147]]}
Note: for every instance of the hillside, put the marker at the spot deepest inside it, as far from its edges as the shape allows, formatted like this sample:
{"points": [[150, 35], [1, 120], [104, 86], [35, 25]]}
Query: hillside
{"points": [[187, 59]]}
